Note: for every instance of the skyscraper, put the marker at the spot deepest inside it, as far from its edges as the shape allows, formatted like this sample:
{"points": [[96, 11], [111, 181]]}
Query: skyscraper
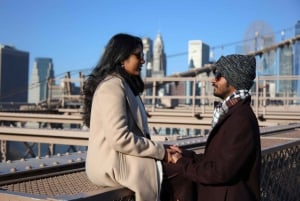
{"points": [[198, 56], [148, 57], [285, 68], [159, 67], [297, 60], [147, 68], [13, 74], [198, 52], [42, 72], [268, 59]]}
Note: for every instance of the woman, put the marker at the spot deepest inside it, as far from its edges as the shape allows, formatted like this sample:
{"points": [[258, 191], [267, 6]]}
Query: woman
{"points": [[120, 151]]}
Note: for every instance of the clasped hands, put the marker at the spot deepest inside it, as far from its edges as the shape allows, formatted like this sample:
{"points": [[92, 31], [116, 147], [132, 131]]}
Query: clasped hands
{"points": [[173, 153]]}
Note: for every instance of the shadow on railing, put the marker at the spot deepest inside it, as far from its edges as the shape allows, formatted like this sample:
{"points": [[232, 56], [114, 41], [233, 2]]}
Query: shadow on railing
{"points": [[279, 181], [280, 178]]}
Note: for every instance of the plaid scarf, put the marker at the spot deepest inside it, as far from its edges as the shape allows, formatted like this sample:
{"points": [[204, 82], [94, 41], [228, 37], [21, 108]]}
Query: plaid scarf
{"points": [[221, 108]]}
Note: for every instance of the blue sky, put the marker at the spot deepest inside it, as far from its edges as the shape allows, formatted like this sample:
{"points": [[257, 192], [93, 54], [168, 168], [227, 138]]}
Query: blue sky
{"points": [[74, 32]]}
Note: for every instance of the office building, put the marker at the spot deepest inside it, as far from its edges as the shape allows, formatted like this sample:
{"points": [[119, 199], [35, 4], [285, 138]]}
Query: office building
{"points": [[148, 57], [159, 67], [147, 67], [296, 86], [198, 56], [41, 77], [14, 66], [268, 59], [198, 53], [285, 68]]}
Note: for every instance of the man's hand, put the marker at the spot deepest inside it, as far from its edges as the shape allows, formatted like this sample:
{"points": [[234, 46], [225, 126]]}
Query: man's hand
{"points": [[175, 157], [168, 155]]}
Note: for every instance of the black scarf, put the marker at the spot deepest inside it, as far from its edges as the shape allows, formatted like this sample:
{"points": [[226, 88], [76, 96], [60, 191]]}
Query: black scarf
{"points": [[135, 82]]}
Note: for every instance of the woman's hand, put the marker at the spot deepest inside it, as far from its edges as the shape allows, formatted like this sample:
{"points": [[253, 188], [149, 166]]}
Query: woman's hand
{"points": [[173, 153], [175, 148]]}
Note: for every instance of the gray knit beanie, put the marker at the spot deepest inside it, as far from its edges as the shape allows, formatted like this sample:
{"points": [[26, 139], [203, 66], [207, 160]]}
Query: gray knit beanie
{"points": [[238, 70]]}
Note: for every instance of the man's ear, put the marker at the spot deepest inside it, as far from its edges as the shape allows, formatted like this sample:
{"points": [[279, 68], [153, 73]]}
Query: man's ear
{"points": [[231, 88]]}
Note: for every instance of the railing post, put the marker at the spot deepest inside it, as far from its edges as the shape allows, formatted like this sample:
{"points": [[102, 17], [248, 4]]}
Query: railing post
{"points": [[194, 95], [3, 150], [51, 149], [81, 80], [203, 95], [153, 95], [264, 96], [256, 96], [49, 93]]}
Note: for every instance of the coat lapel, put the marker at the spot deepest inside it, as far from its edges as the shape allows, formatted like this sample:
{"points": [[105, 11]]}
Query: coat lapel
{"points": [[214, 130], [134, 108], [220, 122]]}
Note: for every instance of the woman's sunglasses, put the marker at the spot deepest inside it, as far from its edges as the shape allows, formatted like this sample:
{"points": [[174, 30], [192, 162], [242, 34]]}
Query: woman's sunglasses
{"points": [[139, 55], [217, 75]]}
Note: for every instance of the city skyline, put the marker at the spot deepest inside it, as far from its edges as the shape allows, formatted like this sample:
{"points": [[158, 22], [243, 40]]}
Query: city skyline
{"points": [[72, 33]]}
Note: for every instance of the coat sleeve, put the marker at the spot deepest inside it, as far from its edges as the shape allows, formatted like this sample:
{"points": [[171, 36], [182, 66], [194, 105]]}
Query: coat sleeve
{"points": [[110, 107], [229, 153]]}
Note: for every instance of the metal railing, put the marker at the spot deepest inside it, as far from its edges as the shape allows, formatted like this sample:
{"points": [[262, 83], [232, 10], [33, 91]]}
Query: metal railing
{"points": [[279, 181], [279, 175]]}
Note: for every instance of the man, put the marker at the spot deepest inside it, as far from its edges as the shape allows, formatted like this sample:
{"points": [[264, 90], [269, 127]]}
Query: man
{"points": [[229, 169]]}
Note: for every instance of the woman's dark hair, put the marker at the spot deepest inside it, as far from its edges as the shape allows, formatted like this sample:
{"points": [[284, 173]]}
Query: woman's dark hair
{"points": [[118, 49]]}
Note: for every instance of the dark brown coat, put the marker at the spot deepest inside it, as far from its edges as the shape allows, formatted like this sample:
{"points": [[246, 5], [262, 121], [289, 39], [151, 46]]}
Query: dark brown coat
{"points": [[230, 167]]}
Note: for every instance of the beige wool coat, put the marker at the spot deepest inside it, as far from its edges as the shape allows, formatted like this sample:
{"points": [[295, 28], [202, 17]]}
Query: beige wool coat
{"points": [[118, 151]]}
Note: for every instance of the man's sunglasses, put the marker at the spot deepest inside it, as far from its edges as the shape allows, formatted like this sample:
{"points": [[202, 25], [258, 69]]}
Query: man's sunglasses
{"points": [[217, 75]]}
